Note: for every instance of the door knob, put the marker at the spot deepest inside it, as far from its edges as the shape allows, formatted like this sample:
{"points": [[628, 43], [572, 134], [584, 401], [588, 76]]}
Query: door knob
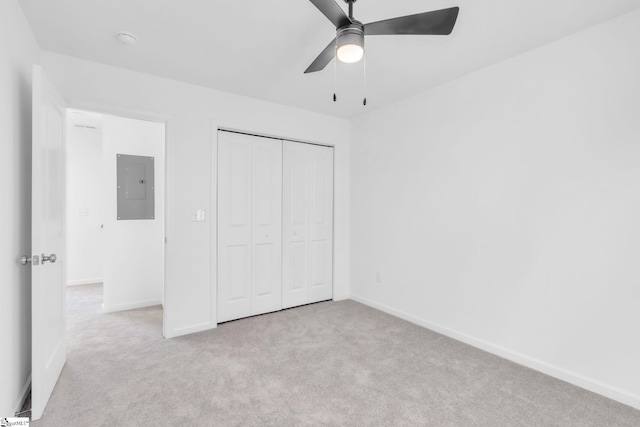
{"points": [[35, 260], [51, 258]]}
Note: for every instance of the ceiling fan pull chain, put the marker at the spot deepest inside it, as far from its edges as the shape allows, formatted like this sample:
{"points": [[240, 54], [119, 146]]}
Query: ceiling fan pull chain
{"points": [[364, 72], [335, 73]]}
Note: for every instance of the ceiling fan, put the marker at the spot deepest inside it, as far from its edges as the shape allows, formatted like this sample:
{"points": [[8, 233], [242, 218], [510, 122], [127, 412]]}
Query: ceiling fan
{"points": [[348, 45]]}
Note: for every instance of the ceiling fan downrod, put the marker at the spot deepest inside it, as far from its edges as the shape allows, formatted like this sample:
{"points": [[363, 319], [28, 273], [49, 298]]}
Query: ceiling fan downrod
{"points": [[350, 3]]}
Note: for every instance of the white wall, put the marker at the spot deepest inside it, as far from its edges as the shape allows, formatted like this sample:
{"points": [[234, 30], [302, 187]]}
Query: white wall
{"points": [[84, 206], [18, 51], [502, 208], [192, 113], [133, 249]]}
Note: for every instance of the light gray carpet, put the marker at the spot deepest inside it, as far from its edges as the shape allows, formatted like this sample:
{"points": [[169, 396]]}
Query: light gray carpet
{"points": [[333, 363]]}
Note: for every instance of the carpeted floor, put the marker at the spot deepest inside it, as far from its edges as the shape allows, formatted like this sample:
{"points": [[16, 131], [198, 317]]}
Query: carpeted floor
{"points": [[332, 363]]}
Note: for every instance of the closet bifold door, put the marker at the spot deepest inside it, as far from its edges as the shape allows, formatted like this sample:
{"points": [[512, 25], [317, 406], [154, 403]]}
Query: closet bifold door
{"points": [[266, 283], [249, 225], [307, 253]]}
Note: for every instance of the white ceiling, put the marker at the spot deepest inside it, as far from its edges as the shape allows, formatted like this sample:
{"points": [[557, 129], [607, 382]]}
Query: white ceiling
{"points": [[260, 48]]}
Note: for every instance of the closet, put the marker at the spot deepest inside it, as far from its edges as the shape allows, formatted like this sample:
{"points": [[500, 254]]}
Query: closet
{"points": [[275, 224]]}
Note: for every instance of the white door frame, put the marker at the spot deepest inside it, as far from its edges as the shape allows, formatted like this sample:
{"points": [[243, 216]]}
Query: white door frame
{"points": [[123, 112]]}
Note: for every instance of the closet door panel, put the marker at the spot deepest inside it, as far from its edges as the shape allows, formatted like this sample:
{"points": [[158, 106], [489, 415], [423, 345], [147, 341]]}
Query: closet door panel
{"points": [[234, 226], [308, 224], [321, 224], [295, 219], [267, 226]]}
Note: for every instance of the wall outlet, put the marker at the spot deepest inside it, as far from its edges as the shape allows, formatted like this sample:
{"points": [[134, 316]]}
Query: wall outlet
{"points": [[378, 277]]}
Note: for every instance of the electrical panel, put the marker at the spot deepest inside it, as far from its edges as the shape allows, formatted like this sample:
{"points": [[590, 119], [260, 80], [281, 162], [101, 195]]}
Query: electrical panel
{"points": [[135, 181]]}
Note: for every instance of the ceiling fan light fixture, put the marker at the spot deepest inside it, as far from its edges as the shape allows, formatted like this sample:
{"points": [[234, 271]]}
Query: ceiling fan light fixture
{"points": [[350, 42], [350, 53]]}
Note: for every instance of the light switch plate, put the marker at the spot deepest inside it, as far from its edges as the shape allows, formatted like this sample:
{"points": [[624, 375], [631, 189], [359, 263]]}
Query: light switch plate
{"points": [[198, 215]]}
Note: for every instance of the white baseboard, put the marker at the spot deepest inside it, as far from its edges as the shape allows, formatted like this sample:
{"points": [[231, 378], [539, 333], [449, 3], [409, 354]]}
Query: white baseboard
{"points": [[598, 387], [112, 308], [24, 392], [341, 297], [200, 327], [81, 282]]}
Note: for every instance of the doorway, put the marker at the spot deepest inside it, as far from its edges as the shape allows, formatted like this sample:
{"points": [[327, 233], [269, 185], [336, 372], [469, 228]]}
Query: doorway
{"points": [[115, 212]]}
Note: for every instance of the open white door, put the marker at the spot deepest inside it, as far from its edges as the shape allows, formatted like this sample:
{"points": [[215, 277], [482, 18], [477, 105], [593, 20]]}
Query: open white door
{"points": [[47, 241]]}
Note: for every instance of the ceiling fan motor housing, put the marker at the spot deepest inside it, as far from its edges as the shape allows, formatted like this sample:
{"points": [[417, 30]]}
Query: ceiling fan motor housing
{"points": [[351, 34]]}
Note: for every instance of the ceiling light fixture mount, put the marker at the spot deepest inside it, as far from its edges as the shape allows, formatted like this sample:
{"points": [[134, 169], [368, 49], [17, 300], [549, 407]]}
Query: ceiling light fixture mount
{"points": [[126, 38], [350, 3]]}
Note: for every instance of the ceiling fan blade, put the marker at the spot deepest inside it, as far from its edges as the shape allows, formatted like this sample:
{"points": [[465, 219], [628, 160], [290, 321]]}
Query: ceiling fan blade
{"points": [[437, 22], [323, 59], [331, 10]]}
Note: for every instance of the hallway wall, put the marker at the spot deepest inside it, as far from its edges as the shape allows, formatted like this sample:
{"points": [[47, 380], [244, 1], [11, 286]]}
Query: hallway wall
{"points": [[84, 206], [134, 249]]}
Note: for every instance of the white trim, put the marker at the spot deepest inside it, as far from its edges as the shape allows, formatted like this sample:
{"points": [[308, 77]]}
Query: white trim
{"points": [[279, 138], [265, 130], [81, 282], [200, 327], [168, 219], [130, 306], [333, 228], [213, 224], [22, 397], [590, 384], [119, 111]]}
